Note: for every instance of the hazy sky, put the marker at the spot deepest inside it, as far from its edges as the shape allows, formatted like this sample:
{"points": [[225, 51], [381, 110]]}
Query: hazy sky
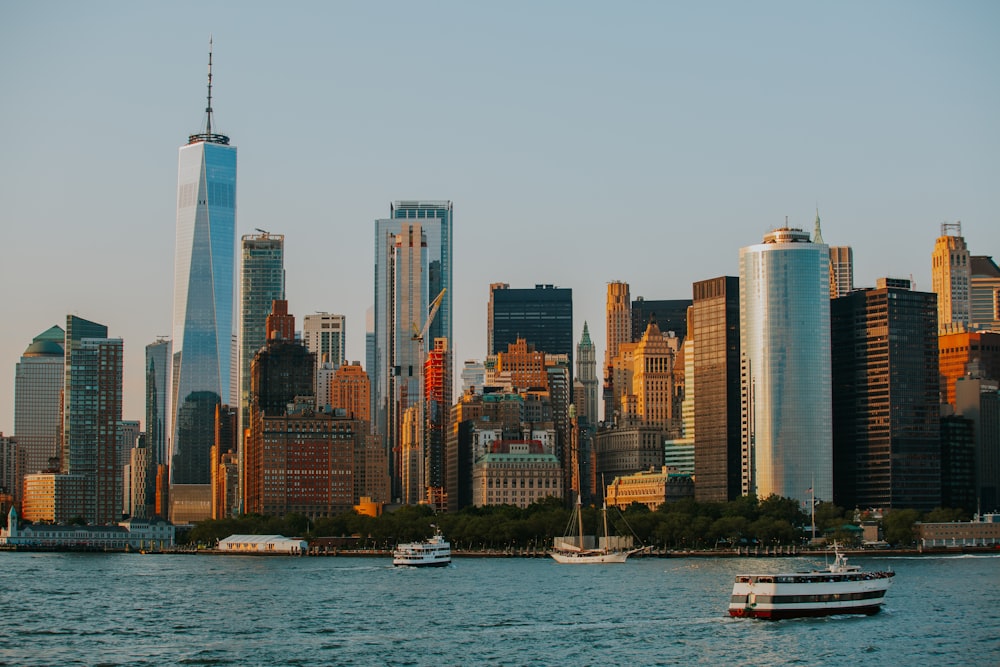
{"points": [[580, 143]]}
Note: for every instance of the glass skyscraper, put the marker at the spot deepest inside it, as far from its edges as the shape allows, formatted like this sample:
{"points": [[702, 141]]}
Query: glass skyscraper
{"points": [[38, 384], [157, 409], [413, 257], [785, 358], [203, 303]]}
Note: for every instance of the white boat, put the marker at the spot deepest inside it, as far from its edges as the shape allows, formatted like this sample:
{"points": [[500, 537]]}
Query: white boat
{"points": [[432, 552], [573, 552], [838, 589]]}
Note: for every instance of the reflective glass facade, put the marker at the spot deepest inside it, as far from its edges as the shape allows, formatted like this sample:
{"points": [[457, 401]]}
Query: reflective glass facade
{"points": [[38, 384], [157, 393], [203, 302], [407, 279], [785, 366]]}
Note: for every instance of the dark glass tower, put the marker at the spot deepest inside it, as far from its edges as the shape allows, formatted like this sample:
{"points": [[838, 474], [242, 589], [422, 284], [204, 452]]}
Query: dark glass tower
{"points": [[887, 433], [717, 434], [543, 316]]}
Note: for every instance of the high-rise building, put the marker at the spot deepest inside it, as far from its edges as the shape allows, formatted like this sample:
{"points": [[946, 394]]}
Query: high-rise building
{"points": [[542, 316], [958, 463], [413, 265], [11, 468], [716, 370], [92, 409], [586, 378], [38, 385], [157, 397], [950, 277], [618, 321], [437, 410], [787, 432], [669, 315], [841, 271], [350, 391], [977, 398], [961, 353], [325, 336], [128, 437], [653, 379], [204, 269], [887, 432], [984, 293], [262, 282], [473, 376]]}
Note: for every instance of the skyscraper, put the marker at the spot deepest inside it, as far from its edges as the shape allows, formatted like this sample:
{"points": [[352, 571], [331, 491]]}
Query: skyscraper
{"points": [[542, 316], [716, 370], [586, 377], [38, 385], [619, 330], [324, 334], [92, 409], [785, 357], [887, 432], [984, 293], [157, 395], [203, 309], [841, 271], [950, 278], [669, 315], [413, 260], [262, 281]]}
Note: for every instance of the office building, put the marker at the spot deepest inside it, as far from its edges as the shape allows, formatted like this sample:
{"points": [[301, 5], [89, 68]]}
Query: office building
{"points": [[92, 410], [618, 323], [158, 360], [951, 277], [977, 398], [11, 467], [668, 314], [984, 293], [787, 434], [204, 270], [653, 380], [586, 379], [542, 316], [350, 391], [962, 353], [473, 376], [324, 334], [887, 432], [716, 370], [958, 463], [413, 265], [38, 385], [516, 472], [437, 410], [841, 271], [262, 282]]}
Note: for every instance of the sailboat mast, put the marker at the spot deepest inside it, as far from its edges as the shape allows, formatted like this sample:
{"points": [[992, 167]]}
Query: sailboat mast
{"points": [[579, 517]]}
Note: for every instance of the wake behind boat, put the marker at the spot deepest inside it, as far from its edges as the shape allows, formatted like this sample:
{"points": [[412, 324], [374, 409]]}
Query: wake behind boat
{"points": [[839, 589], [432, 552]]}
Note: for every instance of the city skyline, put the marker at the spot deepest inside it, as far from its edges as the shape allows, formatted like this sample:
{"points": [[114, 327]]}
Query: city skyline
{"points": [[645, 144]]}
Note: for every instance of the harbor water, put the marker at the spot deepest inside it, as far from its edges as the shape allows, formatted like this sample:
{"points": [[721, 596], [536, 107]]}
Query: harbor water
{"points": [[131, 609]]}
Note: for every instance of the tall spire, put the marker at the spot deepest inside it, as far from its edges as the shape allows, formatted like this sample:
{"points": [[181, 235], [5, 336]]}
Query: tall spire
{"points": [[208, 109], [585, 339], [817, 234], [208, 135]]}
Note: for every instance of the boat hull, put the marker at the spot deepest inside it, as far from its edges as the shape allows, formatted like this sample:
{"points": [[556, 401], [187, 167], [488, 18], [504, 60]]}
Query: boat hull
{"points": [[589, 559], [397, 562], [780, 614], [795, 595]]}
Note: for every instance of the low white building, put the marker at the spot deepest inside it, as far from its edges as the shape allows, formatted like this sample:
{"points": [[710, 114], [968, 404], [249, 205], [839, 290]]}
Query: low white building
{"points": [[263, 544], [133, 534]]}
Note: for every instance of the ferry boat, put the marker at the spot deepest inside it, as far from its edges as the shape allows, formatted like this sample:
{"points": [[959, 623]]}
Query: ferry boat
{"points": [[839, 589], [432, 552]]}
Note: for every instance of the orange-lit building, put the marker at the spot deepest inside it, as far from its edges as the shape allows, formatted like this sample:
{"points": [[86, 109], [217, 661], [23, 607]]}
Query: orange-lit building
{"points": [[520, 367], [437, 410], [350, 390], [957, 350]]}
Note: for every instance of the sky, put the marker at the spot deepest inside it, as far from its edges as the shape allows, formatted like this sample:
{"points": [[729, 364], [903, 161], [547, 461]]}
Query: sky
{"points": [[581, 143]]}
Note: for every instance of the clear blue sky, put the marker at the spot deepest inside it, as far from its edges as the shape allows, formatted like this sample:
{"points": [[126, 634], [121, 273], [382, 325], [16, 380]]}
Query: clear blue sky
{"points": [[580, 142]]}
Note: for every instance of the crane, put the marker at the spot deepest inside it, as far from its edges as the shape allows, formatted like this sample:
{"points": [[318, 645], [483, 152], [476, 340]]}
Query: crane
{"points": [[418, 336]]}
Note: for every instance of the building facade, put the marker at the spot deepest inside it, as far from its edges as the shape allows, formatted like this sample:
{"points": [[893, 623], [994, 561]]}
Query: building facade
{"points": [[668, 314], [542, 316], [516, 473], [887, 432], [984, 293], [158, 364], [413, 264], [716, 370], [38, 386], [618, 323], [324, 334], [651, 488], [841, 271], [950, 278], [962, 353], [586, 379], [202, 339], [787, 430]]}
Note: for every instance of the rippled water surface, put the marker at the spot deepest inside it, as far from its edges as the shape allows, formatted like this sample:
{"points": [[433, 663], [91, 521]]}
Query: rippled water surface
{"points": [[129, 609]]}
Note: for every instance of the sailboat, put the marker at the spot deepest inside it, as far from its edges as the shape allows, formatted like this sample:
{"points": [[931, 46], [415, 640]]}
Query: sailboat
{"points": [[571, 548]]}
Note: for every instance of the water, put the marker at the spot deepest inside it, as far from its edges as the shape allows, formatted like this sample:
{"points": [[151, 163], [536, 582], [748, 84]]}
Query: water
{"points": [[129, 609]]}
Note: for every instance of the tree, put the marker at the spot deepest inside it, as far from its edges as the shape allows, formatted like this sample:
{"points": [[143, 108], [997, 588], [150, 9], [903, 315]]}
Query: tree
{"points": [[897, 526]]}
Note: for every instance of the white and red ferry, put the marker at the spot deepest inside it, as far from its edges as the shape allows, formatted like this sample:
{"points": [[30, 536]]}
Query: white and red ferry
{"points": [[839, 589], [432, 552]]}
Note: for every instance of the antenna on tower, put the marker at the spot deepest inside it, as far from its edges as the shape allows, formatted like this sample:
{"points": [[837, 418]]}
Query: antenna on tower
{"points": [[208, 109]]}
